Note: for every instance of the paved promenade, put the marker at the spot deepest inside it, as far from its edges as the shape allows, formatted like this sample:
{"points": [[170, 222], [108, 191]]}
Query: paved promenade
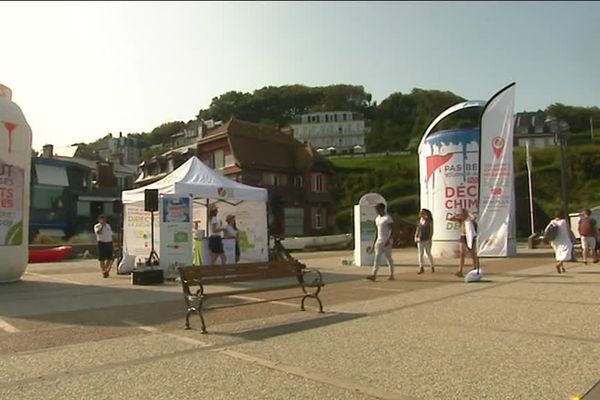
{"points": [[525, 333]]}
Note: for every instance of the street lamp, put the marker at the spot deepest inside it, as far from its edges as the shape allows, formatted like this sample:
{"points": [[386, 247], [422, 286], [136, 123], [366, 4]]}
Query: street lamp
{"points": [[561, 132]]}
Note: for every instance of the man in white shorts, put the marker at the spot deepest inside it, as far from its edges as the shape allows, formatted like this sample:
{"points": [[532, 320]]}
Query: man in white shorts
{"points": [[587, 231], [382, 245]]}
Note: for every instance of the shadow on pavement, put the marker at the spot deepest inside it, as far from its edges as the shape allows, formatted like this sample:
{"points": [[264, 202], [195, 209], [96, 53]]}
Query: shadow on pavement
{"points": [[284, 329]]}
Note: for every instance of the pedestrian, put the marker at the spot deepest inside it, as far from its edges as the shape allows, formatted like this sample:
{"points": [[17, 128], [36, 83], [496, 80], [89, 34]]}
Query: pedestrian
{"points": [[231, 232], [215, 241], [382, 244], [104, 238], [561, 240], [588, 230], [468, 239], [423, 236]]}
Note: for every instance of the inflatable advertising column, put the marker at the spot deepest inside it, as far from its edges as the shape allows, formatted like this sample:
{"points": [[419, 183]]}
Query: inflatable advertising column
{"points": [[364, 227], [15, 171]]}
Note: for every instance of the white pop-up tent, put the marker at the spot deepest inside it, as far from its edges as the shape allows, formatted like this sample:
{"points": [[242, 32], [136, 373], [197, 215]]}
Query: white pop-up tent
{"points": [[193, 185], [194, 178]]}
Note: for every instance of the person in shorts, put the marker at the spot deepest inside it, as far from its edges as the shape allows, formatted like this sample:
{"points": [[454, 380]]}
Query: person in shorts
{"points": [[588, 231], [104, 238], [468, 239], [215, 241]]}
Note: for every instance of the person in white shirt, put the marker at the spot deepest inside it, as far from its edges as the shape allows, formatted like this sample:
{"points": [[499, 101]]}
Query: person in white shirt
{"points": [[382, 245], [215, 242], [104, 235], [562, 244]]}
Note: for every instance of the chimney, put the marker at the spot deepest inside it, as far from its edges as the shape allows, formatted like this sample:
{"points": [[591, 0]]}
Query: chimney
{"points": [[47, 151]]}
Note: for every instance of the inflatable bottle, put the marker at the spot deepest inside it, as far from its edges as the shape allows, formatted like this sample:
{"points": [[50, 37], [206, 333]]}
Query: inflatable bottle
{"points": [[15, 173]]}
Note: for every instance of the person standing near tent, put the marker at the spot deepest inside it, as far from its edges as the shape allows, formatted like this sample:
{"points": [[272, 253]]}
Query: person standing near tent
{"points": [[560, 237], [104, 237], [382, 245], [468, 238], [215, 241], [423, 235], [588, 231], [231, 232]]}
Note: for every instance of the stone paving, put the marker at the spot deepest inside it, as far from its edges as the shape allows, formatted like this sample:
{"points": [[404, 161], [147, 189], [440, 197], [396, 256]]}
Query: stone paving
{"points": [[525, 332]]}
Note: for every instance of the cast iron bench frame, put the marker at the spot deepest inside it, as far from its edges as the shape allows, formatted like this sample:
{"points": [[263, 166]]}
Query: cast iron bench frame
{"points": [[203, 276]]}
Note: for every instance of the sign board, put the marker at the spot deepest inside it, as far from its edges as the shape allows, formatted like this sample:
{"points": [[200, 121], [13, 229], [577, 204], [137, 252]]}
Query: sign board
{"points": [[364, 227], [175, 233]]}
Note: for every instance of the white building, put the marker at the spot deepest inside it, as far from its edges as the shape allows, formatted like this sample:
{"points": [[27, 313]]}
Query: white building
{"points": [[332, 132]]}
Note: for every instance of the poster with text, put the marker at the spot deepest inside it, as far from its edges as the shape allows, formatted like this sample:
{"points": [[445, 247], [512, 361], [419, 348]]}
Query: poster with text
{"points": [[176, 245]]}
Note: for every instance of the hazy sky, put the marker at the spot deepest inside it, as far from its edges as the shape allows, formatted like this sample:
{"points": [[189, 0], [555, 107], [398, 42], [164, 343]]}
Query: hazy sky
{"points": [[81, 70]]}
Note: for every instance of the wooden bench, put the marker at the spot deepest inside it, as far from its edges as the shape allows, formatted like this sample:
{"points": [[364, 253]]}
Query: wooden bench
{"points": [[310, 281]]}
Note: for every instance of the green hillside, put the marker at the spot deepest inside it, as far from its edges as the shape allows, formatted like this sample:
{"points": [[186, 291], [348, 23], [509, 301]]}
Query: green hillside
{"points": [[396, 178]]}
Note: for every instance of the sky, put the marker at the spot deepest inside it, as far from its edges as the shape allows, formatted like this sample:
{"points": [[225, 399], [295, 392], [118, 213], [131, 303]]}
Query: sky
{"points": [[81, 70]]}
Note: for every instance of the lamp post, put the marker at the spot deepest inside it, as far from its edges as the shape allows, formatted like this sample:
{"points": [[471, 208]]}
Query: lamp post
{"points": [[561, 132], [530, 179]]}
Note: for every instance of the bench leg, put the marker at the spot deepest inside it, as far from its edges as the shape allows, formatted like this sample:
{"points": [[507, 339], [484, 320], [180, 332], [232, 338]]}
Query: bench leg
{"points": [[314, 295], [190, 310], [200, 303]]}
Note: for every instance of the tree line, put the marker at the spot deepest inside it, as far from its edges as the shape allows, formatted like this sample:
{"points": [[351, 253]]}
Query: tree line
{"points": [[397, 123]]}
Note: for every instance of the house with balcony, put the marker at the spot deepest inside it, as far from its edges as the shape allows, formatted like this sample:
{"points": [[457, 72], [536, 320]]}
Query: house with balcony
{"points": [[126, 148], [332, 132], [295, 175], [531, 127], [68, 193]]}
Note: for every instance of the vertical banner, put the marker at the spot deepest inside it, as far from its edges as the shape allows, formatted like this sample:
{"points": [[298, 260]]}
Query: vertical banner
{"points": [[175, 233], [496, 199]]}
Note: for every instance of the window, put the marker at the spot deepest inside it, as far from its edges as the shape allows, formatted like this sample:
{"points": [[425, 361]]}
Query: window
{"points": [[46, 198], [318, 218], [293, 221], [298, 182], [83, 209], [344, 116], [229, 160], [326, 118], [318, 183], [218, 159]]}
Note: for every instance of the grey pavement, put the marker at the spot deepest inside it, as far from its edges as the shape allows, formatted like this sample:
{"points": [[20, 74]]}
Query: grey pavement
{"points": [[526, 332]]}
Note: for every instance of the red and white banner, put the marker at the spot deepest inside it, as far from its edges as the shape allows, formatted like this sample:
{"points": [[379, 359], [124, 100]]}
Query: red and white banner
{"points": [[496, 179]]}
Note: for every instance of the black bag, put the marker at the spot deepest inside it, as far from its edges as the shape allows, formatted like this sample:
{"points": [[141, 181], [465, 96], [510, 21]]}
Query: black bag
{"points": [[551, 232]]}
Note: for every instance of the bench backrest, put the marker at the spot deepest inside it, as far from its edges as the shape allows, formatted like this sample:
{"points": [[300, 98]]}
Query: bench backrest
{"points": [[216, 274]]}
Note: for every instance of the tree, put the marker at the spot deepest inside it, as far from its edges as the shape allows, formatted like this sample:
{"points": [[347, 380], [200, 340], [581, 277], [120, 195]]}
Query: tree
{"points": [[162, 133], [578, 118]]}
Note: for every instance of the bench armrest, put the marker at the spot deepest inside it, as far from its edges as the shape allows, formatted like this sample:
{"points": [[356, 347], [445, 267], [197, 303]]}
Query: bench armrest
{"points": [[312, 276]]}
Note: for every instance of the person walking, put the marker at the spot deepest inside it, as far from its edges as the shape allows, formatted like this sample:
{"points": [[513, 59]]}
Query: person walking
{"points": [[560, 239], [382, 244], [104, 238], [468, 239], [588, 231], [215, 241], [231, 232], [423, 236]]}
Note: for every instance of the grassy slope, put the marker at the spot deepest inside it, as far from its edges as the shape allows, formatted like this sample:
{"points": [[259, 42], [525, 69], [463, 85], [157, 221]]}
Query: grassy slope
{"points": [[396, 178]]}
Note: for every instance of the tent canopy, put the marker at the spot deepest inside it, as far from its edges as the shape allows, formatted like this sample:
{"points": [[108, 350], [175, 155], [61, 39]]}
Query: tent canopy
{"points": [[195, 179]]}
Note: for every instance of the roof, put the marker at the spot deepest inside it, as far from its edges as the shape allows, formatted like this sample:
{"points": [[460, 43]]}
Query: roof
{"points": [[259, 146], [90, 164], [197, 180]]}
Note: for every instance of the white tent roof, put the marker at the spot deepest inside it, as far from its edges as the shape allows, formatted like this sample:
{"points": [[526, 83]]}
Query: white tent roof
{"points": [[198, 180]]}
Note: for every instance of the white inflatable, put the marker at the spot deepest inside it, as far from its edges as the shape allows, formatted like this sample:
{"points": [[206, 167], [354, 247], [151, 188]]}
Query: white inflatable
{"points": [[474, 276], [15, 172]]}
